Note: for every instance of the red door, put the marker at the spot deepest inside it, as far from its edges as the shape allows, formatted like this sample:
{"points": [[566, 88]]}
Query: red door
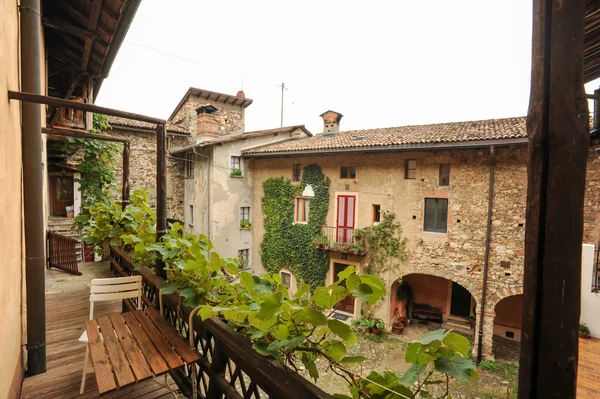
{"points": [[345, 218]]}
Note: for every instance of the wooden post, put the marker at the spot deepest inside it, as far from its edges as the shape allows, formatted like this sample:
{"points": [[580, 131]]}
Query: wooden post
{"points": [[125, 193], [161, 190], [557, 126]]}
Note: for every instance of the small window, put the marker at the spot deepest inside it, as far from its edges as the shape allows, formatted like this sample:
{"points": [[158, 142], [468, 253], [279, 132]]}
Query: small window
{"points": [[376, 213], [444, 174], [410, 169], [302, 210], [189, 165], [243, 258], [296, 172], [236, 166], [436, 215], [348, 172], [191, 219], [245, 213], [286, 279]]}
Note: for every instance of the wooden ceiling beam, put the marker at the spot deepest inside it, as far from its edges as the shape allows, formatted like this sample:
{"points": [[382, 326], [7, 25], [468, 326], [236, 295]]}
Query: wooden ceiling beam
{"points": [[92, 26], [68, 28], [67, 96]]}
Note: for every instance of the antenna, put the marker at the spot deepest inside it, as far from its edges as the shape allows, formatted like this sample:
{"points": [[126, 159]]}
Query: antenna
{"points": [[282, 90]]}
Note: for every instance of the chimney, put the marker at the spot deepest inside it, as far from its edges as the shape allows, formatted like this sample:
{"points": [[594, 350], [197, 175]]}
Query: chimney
{"points": [[207, 125], [331, 122]]}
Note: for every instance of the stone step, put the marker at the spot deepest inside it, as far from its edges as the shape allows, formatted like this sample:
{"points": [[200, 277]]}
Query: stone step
{"points": [[461, 326]]}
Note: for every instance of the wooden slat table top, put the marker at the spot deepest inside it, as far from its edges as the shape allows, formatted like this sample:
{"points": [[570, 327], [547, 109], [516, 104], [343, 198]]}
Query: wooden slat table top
{"points": [[130, 347]]}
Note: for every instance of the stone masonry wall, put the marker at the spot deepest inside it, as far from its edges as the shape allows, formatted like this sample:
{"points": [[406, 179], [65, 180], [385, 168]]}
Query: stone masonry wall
{"points": [[229, 117], [142, 168], [457, 255]]}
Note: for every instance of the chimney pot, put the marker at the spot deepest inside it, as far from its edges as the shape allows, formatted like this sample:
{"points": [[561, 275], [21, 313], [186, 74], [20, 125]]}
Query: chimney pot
{"points": [[331, 122], [207, 125]]}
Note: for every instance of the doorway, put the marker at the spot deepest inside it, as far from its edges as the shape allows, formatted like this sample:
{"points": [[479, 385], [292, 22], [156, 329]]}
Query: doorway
{"points": [[460, 304], [345, 218], [346, 304], [61, 194]]}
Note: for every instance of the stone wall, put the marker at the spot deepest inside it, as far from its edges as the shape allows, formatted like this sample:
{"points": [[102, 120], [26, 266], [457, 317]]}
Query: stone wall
{"points": [[457, 255], [142, 167], [229, 117]]}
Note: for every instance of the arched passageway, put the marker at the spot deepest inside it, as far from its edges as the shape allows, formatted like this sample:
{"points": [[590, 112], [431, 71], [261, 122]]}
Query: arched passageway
{"points": [[507, 323]]}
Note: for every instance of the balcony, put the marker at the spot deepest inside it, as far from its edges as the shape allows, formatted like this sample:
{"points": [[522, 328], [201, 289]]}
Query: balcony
{"points": [[340, 239]]}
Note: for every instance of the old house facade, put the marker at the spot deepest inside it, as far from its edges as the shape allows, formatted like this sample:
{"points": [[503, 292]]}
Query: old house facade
{"points": [[436, 180], [217, 184]]}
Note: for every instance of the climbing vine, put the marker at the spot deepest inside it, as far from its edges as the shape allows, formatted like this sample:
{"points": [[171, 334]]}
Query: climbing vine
{"points": [[96, 165], [290, 245]]}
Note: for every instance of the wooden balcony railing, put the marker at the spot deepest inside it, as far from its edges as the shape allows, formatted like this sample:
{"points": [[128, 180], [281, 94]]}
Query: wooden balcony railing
{"points": [[62, 253], [229, 367]]}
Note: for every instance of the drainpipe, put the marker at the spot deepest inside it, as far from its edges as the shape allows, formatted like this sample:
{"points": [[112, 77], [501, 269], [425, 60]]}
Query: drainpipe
{"points": [[492, 163], [33, 180], [207, 190]]}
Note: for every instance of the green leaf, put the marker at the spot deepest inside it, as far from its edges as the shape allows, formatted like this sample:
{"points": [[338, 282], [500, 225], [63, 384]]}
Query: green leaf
{"points": [[335, 349], [277, 345], [434, 335], [269, 306], [205, 312], [283, 332], [346, 272], [314, 317], [294, 342], [411, 352], [309, 364], [363, 292], [215, 262], [247, 281], [188, 292], [232, 268], [340, 329], [167, 288], [352, 359], [340, 396], [302, 291], [457, 342], [261, 348], [457, 367], [412, 374]]}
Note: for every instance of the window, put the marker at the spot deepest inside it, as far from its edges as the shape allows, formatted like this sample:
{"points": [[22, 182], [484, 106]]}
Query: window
{"points": [[296, 172], [302, 210], [191, 219], [444, 174], [189, 165], [376, 213], [243, 258], [436, 215], [245, 213], [410, 169], [236, 166], [286, 279], [348, 172]]}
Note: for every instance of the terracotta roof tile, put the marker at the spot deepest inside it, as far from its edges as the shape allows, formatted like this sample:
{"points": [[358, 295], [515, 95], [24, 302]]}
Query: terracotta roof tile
{"points": [[456, 132], [124, 122]]}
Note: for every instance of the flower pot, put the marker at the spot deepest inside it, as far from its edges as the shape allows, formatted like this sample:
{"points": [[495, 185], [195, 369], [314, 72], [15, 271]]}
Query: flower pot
{"points": [[398, 328], [375, 330], [584, 335]]}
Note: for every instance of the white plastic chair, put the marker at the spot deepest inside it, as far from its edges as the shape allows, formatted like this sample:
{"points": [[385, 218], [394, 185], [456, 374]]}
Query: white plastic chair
{"points": [[107, 289]]}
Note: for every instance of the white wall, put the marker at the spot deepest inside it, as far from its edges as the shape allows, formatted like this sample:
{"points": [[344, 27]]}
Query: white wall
{"points": [[590, 301]]}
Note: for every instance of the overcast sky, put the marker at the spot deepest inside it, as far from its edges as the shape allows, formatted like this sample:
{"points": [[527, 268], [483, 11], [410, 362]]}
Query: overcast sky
{"points": [[379, 63]]}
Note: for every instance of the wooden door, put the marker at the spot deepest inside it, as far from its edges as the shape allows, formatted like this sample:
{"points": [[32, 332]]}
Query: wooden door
{"points": [[345, 218], [346, 305], [61, 194]]}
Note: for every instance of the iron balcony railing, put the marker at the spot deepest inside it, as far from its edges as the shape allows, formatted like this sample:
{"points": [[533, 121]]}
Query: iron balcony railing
{"points": [[338, 235], [595, 272]]}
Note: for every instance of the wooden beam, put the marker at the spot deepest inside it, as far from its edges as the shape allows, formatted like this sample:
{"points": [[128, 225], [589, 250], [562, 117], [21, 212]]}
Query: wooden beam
{"points": [[68, 28], [557, 127], [58, 110], [82, 135], [92, 25], [59, 102]]}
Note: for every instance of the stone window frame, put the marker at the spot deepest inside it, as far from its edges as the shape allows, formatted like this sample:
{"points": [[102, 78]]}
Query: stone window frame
{"points": [[435, 216], [350, 172], [410, 169], [189, 165], [296, 172], [444, 175]]}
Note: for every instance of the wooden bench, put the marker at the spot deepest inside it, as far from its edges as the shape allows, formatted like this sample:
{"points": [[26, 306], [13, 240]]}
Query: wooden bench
{"points": [[427, 312]]}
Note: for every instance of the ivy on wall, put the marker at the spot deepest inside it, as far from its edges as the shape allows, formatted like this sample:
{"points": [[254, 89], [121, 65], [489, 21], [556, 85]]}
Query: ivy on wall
{"points": [[287, 245]]}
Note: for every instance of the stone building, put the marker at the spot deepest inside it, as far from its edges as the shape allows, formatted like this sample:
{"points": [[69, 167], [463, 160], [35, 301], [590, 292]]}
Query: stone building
{"points": [[217, 184], [436, 179]]}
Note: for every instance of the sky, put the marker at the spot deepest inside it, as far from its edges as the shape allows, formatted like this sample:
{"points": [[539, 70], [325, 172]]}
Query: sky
{"points": [[379, 63]]}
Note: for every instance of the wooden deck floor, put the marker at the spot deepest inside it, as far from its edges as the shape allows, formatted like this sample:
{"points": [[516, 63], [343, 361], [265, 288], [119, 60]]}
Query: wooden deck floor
{"points": [[67, 309]]}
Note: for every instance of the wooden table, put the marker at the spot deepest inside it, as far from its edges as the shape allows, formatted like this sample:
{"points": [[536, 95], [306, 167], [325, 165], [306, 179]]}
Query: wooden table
{"points": [[130, 347]]}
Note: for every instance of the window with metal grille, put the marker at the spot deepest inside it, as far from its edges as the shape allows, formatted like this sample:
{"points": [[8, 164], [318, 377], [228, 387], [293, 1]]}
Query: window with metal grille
{"points": [[444, 174], [348, 172], [410, 169], [302, 210], [245, 213], [296, 172], [436, 215], [286, 279], [243, 257], [189, 165]]}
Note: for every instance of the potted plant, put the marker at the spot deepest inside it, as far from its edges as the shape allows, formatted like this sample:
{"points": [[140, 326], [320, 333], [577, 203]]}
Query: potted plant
{"points": [[584, 330], [346, 247], [236, 172], [378, 326], [358, 247], [245, 225]]}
